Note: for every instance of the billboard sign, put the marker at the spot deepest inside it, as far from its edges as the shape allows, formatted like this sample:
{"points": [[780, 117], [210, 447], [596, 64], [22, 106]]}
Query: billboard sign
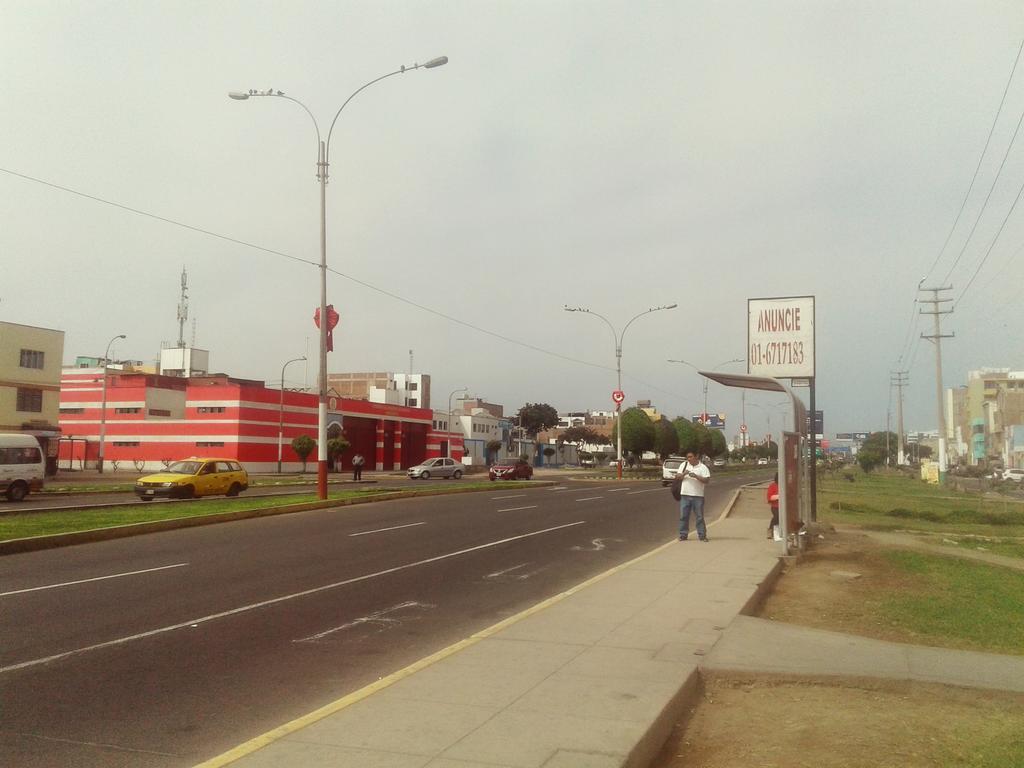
{"points": [[713, 420], [851, 436], [780, 337]]}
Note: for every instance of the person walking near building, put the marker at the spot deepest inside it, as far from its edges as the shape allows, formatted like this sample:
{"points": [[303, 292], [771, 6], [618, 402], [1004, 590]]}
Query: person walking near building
{"points": [[695, 476], [357, 467], [772, 496]]}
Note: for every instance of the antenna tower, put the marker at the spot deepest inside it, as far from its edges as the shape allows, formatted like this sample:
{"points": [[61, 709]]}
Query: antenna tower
{"points": [[183, 309]]}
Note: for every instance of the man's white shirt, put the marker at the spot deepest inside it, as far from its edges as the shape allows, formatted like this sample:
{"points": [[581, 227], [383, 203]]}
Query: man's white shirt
{"points": [[692, 486]]}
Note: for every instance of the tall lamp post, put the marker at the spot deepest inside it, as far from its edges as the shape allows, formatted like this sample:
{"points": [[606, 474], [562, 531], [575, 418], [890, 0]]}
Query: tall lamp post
{"points": [[103, 407], [323, 158], [450, 430], [704, 414], [618, 365], [280, 414]]}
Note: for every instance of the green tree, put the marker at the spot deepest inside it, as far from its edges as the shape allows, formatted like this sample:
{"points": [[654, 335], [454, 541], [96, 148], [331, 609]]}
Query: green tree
{"points": [[704, 445], [638, 434], [493, 447], [688, 438], [536, 417], [718, 445], [666, 439], [884, 445], [581, 435], [869, 458], [303, 445], [335, 447]]}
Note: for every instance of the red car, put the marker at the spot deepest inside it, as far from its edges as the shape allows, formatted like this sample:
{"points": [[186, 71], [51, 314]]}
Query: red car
{"points": [[511, 469]]}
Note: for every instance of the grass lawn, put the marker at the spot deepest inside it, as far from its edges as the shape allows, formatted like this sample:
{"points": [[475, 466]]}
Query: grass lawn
{"points": [[18, 526], [890, 502], [947, 599]]}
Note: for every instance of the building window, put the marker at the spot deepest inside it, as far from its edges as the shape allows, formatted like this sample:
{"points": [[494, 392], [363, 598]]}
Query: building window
{"points": [[126, 410], [210, 444], [126, 443], [159, 412], [211, 409], [31, 358], [412, 402], [413, 386], [30, 400], [72, 410]]}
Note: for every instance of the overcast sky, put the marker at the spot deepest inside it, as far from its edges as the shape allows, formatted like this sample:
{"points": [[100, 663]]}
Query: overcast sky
{"points": [[613, 155]]}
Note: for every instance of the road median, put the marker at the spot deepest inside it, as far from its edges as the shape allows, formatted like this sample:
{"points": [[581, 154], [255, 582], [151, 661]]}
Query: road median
{"points": [[10, 546]]}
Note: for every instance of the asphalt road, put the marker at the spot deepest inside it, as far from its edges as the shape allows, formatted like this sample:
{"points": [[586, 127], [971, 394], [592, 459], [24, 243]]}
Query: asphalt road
{"points": [[169, 648]]}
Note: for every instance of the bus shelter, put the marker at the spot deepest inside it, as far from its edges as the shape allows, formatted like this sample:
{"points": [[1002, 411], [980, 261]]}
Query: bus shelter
{"points": [[794, 467]]}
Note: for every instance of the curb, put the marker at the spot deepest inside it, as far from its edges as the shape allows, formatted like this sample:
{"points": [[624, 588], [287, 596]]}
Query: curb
{"points": [[37, 543]]}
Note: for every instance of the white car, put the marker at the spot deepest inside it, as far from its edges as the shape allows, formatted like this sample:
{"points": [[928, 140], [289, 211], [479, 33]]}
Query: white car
{"points": [[762, 462], [670, 468], [1017, 475], [442, 467]]}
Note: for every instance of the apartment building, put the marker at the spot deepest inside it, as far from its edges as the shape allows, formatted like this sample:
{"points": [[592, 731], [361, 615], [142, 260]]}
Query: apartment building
{"points": [[30, 369]]}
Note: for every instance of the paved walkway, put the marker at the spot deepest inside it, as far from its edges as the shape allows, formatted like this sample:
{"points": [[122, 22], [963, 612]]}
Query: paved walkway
{"points": [[596, 677]]}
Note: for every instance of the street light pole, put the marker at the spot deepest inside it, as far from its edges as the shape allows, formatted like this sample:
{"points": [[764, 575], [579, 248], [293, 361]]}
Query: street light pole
{"points": [[704, 414], [280, 414], [323, 161], [618, 365], [450, 420], [103, 407]]}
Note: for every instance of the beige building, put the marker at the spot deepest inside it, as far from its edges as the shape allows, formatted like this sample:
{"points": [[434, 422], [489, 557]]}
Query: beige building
{"points": [[30, 367], [980, 414], [411, 389]]}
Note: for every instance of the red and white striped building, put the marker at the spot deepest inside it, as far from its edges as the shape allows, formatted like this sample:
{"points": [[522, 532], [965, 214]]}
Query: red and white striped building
{"points": [[151, 419]]}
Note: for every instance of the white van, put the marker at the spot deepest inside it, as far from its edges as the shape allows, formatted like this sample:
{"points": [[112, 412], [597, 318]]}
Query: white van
{"points": [[22, 466]]}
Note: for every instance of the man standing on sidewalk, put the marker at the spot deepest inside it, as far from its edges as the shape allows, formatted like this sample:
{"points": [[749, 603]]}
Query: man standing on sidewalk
{"points": [[695, 476], [357, 467]]}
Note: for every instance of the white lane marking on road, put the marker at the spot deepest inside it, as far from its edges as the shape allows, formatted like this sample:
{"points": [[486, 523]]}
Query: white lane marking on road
{"points": [[381, 530], [616, 490], [516, 509], [513, 496], [496, 574], [380, 618], [590, 498], [597, 545], [648, 490], [559, 488], [281, 599], [95, 578]]}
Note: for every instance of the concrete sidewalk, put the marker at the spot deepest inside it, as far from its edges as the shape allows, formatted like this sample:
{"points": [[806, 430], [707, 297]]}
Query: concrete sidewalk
{"points": [[597, 677]]}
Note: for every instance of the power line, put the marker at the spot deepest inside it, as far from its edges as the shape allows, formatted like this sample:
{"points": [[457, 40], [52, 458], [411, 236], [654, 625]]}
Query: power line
{"points": [[974, 178], [155, 216], [351, 278]]}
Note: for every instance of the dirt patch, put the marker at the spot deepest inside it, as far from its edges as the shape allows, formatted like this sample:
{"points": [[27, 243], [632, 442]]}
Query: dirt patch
{"points": [[768, 721], [849, 582], [755, 721]]}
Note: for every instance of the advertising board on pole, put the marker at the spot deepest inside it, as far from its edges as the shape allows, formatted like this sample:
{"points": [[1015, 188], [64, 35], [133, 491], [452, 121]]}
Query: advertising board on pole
{"points": [[780, 337]]}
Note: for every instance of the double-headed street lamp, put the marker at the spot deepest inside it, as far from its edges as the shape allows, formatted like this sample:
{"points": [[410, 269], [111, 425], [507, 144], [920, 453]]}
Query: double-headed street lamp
{"points": [[280, 414], [704, 414], [103, 407], [618, 364], [323, 157], [450, 420]]}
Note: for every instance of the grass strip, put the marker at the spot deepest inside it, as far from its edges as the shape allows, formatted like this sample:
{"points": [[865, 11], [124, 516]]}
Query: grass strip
{"points": [[978, 605], [31, 524]]}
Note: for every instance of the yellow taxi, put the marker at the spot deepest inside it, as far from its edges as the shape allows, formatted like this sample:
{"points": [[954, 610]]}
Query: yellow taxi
{"points": [[194, 477]]}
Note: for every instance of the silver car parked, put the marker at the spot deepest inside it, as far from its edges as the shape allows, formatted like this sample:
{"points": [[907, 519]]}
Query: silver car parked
{"points": [[443, 467]]}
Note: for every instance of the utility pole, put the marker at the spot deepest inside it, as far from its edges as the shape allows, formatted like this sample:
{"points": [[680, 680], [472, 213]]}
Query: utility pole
{"points": [[937, 338], [898, 379]]}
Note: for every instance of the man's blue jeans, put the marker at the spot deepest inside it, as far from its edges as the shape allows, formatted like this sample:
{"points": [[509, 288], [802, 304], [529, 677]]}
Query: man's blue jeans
{"points": [[695, 503]]}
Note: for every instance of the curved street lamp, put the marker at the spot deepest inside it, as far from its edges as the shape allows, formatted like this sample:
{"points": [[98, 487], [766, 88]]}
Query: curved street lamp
{"points": [[618, 363], [103, 407], [455, 392], [323, 156], [280, 414]]}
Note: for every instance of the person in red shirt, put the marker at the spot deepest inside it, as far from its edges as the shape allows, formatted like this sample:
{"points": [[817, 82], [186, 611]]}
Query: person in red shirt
{"points": [[773, 503]]}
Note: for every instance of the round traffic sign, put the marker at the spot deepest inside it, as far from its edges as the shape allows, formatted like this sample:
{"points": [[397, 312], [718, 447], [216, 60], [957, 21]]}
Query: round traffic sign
{"points": [[743, 427], [618, 396]]}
